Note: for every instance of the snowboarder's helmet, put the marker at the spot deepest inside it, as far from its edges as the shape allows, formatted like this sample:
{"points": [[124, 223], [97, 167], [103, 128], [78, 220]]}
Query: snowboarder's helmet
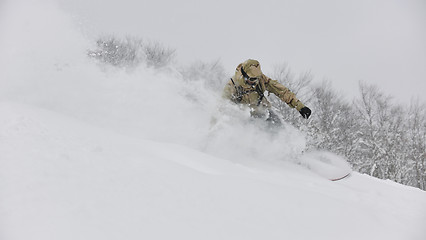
{"points": [[252, 68]]}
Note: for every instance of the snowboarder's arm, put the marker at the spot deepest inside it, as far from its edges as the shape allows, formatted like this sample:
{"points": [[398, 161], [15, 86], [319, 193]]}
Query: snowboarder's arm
{"points": [[228, 91], [283, 93]]}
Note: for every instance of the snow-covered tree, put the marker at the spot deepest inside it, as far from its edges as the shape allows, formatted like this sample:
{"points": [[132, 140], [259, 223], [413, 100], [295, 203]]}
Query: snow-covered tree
{"points": [[130, 52], [416, 144]]}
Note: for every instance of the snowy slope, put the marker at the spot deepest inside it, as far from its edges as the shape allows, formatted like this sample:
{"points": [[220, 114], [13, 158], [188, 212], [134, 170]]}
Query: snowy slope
{"points": [[89, 152], [63, 179]]}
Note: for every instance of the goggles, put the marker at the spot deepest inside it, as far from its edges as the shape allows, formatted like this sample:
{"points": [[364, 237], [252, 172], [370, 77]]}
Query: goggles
{"points": [[249, 80], [252, 81]]}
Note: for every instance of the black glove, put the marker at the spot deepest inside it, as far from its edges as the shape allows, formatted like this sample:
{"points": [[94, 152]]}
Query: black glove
{"points": [[305, 112]]}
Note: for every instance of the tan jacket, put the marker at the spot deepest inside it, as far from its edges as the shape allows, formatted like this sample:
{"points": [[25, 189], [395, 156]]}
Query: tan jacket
{"points": [[238, 91]]}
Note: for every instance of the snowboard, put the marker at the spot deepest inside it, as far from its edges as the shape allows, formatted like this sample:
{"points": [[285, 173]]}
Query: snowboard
{"points": [[326, 164]]}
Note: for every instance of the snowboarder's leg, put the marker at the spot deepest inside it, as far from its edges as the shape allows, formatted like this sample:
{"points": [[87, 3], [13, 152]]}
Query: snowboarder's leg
{"points": [[274, 119]]}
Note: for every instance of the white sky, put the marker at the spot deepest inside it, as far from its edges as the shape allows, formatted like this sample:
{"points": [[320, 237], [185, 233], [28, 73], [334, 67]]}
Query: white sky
{"points": [[377, 41]]}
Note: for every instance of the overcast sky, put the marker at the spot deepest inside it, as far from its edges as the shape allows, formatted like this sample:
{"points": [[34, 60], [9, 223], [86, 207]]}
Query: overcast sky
{"points": [[377, 41]]}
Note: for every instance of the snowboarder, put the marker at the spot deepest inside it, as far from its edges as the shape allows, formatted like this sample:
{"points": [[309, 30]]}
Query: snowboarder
{"points": [[248, 87]]}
